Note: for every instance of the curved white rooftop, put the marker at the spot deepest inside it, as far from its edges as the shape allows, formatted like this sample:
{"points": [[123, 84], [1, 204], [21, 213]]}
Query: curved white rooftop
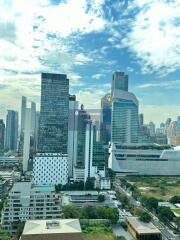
{"points": [[173, 153]]}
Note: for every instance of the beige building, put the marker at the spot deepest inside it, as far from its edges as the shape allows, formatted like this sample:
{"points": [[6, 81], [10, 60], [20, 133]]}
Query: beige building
{"points": [[142, 231], [64, 229]]}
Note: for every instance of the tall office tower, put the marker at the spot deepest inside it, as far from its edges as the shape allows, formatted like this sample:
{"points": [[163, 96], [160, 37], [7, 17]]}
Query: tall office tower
{"points": [[178, 124], [51, 163], [2, 133], [83, 118], [125, 116], [119, 81], [33, 117], [27, 135], [105, 134], [89, 156], [36, 129], [23, 112], [11, 130], [93, 154], [79, 165], [53, 126], [152, 129], [141, 119], [72, 132]]}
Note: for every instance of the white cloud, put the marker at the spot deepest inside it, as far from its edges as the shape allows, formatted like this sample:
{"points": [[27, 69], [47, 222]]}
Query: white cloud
{"points": [[167, 84], [154, 35], [98, 76]]}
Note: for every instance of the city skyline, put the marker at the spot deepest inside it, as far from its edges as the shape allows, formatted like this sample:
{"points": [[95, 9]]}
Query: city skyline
{"points": [[89, 49]]}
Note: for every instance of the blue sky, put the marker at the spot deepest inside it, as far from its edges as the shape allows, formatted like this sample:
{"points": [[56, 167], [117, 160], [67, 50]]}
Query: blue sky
{"points": [[88, 40]]}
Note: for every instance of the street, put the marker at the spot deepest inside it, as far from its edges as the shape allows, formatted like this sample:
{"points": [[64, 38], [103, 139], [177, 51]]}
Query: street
{"points": [[166, 233]]}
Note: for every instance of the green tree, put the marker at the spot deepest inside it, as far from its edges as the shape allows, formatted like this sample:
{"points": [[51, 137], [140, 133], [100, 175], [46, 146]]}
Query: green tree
{"points": [[70, 211], [89, 212], [89, 185], [101, 198], [175, 199], [150, 203], [144, 217], [20, 227], [165, 214], [123, 199]]}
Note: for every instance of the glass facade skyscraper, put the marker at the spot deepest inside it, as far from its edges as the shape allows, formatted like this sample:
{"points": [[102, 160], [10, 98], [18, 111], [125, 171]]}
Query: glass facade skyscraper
{"points": [[53, 123], [119, 81], [105, 135], [125, 117], [11, 130], [2, 133]]}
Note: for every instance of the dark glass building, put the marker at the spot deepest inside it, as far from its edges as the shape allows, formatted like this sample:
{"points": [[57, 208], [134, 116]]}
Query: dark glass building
{"points": [[105, 133], [83, 119], [2, 132], [11, 137], [53, 122]]}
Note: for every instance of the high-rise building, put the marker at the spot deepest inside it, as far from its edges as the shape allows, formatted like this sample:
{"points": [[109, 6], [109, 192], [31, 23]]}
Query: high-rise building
{"points": [[125, 116], [83, 118], [27, 134], [36, 129], [178, 124], [23, 112], [33, 117], [53, 126], [141, 119], [119, 81], [105, 134], [72, 132], [90, 157], [2, 133], [152, 129], [11, 130], [51, 163]]}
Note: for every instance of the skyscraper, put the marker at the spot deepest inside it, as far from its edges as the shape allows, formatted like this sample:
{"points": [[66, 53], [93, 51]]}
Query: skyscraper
{"points": [[141, 119], [23, 112], [33, 117], [105, 134], [2, 133], [27, 134], [53, 126], [119, 81], [11, 130], [83, 118], [72, 132], [50, 165], [125, 118], [152, 129]]}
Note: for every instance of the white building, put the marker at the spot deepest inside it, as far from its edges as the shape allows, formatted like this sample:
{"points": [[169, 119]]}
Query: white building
{"points": [[27, 134], [72, 132], [89, 171], [52, 229], [29, 202], [144, 160], [50, 169]]}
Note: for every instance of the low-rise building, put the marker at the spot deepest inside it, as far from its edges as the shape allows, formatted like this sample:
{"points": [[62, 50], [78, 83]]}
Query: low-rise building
{"points": [[144, 159], [65, 229], [9, 161], [142, 231], [26, 201], [10, 175]]}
